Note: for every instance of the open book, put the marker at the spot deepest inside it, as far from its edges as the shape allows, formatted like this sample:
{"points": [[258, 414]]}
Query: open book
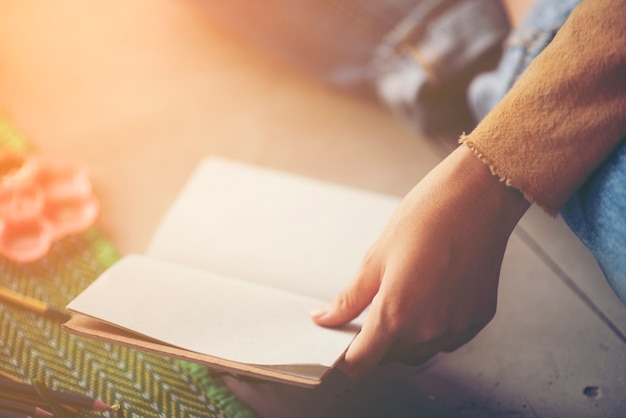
{"points": [[232, 272]]}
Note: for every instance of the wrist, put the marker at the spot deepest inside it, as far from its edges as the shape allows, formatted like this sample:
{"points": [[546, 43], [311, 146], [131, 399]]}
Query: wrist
{"points": [[500, 200]]}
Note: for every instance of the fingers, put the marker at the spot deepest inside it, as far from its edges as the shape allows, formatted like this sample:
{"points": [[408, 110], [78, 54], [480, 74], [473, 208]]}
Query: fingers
{"points": [[369, 347], [418, 354], [374, 346], [352, 300], [394, 329], [457, 340]]}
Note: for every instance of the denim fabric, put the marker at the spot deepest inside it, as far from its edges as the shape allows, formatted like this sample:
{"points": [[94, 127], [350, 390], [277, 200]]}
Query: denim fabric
{"points": [[597, 215], [405, 52], [596, 212], [521, 47], [417, 76]]}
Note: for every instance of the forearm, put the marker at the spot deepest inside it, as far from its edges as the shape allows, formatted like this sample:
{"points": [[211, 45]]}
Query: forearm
{"points": [[567, 111]]}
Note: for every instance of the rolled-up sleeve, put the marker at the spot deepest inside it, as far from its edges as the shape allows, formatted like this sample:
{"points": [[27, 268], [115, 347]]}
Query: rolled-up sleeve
{"points": [[566, 113]]}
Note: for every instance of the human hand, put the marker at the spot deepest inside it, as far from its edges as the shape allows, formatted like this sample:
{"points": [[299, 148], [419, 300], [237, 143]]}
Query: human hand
{"points": [[432, 276]]}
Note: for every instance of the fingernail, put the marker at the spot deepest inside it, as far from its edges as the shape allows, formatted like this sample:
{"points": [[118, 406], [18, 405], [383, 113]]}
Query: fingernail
{"points": [[320, 312]]}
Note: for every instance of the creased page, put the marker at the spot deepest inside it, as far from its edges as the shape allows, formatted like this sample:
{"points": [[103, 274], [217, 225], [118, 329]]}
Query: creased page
{"points": [[211, 314], [270, 227]]}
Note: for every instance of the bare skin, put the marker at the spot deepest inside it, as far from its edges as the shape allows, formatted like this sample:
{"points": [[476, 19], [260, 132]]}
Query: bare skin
{"points": [[431, 278]]}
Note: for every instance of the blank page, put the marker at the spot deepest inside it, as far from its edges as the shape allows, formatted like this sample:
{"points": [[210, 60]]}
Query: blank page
{"points": [[269, 227], [211, 314]]}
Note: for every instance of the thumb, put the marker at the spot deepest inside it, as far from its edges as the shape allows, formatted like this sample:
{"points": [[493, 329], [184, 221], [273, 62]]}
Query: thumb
{"points": [[350, 302]]}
